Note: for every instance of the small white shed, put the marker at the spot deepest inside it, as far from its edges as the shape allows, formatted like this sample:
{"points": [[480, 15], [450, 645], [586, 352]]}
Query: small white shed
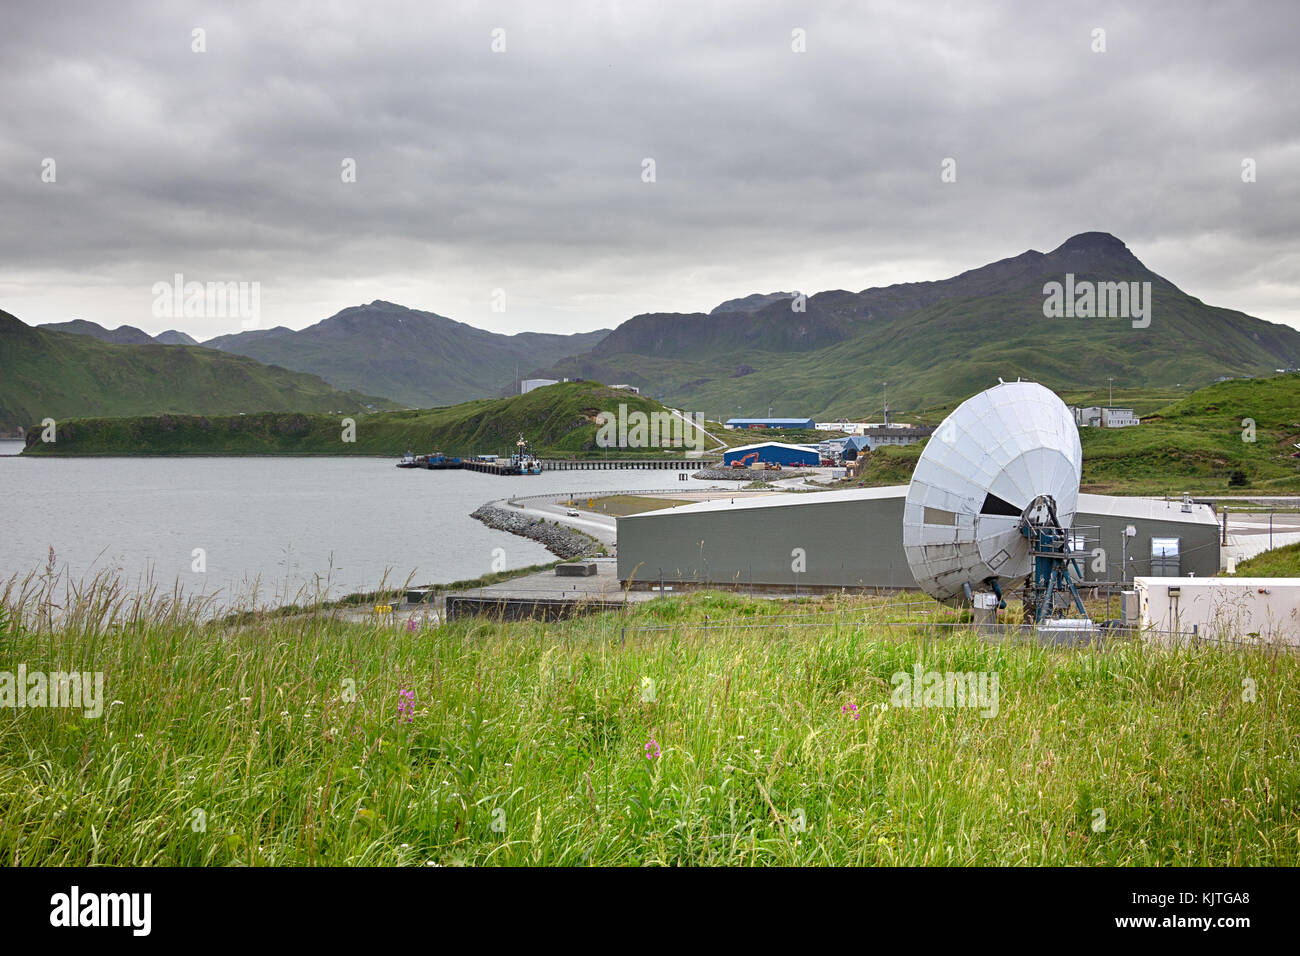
{"points": [[1234, 609]]}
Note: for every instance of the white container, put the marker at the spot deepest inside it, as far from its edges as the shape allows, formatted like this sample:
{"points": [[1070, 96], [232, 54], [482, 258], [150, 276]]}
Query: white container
{"points": [[1246, 610]]}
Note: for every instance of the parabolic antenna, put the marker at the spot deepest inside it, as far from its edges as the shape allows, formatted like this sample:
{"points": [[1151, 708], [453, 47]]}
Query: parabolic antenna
{"points": [[1006, 462]]}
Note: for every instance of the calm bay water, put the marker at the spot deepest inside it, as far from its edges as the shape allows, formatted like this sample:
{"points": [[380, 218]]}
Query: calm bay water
{"points": [[286, 522]]}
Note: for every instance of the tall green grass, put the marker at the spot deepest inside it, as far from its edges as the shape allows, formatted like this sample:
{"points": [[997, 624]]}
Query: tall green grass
{"points": [[1283, 562], [279, 742]]}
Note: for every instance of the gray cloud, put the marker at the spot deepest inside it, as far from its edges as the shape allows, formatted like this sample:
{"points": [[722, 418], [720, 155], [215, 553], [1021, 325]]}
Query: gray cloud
{"points": [[522, 170]]}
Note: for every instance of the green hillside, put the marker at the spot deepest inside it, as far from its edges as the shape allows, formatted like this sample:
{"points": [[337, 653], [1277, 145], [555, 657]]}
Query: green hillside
{"points": [[936, 343], [559, 421], [1194, 444], [59, 375], [1283, 562], [940, 354]]}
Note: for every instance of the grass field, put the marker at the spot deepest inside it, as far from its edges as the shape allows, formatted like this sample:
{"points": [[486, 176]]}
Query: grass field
{"points": [[645, 739], [1281, 562], [628, 504]]}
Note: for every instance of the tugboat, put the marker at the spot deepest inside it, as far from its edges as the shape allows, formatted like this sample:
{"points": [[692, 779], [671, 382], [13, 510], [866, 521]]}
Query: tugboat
{"points": [[524, 460], [409, 460]]}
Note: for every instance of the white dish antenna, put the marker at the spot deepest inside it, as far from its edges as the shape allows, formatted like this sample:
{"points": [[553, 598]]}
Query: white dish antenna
{"points": [[992, 463]]}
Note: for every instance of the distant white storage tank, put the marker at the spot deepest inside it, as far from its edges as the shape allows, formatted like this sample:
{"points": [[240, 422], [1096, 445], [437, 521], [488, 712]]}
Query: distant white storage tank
{"points": [[1235, 609], [528, 384]]}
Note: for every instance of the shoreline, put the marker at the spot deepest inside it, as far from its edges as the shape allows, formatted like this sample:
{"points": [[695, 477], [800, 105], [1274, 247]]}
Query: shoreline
{"points": [[564, 542]]}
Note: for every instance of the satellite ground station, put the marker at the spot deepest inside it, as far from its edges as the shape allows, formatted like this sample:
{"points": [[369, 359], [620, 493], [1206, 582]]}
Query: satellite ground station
{"points": [[991, 504]]}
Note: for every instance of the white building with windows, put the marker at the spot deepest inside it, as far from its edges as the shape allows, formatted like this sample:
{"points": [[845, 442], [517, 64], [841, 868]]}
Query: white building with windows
{"points": [[896, 435], [1104, 416], [1118, 418], [857, 428]]}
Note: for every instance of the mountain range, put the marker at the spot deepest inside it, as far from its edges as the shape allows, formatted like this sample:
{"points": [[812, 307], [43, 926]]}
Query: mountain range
{"points": [[933, 342], [122, 335], [420, 358], [826, 354]]}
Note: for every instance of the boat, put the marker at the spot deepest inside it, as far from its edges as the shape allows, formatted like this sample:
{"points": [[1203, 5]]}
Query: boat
{"points": [[524, 460], [409, 460]]}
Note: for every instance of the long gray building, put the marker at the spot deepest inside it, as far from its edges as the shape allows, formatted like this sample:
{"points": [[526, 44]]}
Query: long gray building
{"points": [[854, 538]]}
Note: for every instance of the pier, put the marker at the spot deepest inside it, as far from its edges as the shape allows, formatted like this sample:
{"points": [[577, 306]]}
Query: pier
{"points": [[621, 464], [508, 467], [487, 467]]}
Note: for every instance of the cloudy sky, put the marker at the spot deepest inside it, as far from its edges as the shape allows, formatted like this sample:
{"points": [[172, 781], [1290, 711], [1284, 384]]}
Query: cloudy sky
{"points": [[523, 169]]}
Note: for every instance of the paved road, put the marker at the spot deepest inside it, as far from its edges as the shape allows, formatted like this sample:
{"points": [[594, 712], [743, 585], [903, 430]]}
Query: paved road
{"points": [[601, 527]]}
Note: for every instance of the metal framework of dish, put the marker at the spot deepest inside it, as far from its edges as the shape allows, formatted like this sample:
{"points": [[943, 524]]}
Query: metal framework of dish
{"points": [[992, 499]]}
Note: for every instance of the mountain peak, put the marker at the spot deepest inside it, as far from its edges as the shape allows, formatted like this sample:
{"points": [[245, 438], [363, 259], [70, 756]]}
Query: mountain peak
{"points": [[1098, 254], [1092, 242]]}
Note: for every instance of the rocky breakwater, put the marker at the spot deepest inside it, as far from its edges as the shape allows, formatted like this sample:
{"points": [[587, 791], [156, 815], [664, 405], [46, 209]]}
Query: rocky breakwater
{"points": [[559, 540]]}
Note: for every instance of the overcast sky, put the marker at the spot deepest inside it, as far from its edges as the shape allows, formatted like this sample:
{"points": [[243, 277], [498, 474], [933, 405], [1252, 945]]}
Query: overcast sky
{"points": [[522, 170]]}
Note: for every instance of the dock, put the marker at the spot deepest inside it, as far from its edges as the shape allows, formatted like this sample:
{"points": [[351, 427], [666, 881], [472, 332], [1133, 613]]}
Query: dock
{"points": [[621, 464], [507, 467]]}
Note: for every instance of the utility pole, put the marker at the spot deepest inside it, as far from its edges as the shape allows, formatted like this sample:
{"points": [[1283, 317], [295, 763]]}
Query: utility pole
{"points": [[1111, 401]]}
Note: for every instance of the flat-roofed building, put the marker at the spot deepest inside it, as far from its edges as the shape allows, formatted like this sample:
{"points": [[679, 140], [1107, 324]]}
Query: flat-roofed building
{"points": [[807, 423], [854, 538], [876, 437]]}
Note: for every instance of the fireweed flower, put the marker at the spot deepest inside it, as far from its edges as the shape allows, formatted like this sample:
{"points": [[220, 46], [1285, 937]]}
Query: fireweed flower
{"points": [[406, 706], [651, 749], [851, 709]]}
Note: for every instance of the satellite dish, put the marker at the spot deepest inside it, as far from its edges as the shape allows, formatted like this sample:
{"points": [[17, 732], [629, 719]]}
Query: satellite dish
{"points": [[1006, 460]]}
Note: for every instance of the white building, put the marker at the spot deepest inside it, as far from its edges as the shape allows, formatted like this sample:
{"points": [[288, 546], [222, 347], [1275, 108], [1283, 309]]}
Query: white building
{"points": [[1104, 416], [896, 435], [856, 428], [528, 384]]}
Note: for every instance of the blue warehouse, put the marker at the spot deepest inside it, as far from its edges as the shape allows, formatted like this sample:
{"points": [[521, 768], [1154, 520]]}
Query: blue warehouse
{"points": [[771, 452]]}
